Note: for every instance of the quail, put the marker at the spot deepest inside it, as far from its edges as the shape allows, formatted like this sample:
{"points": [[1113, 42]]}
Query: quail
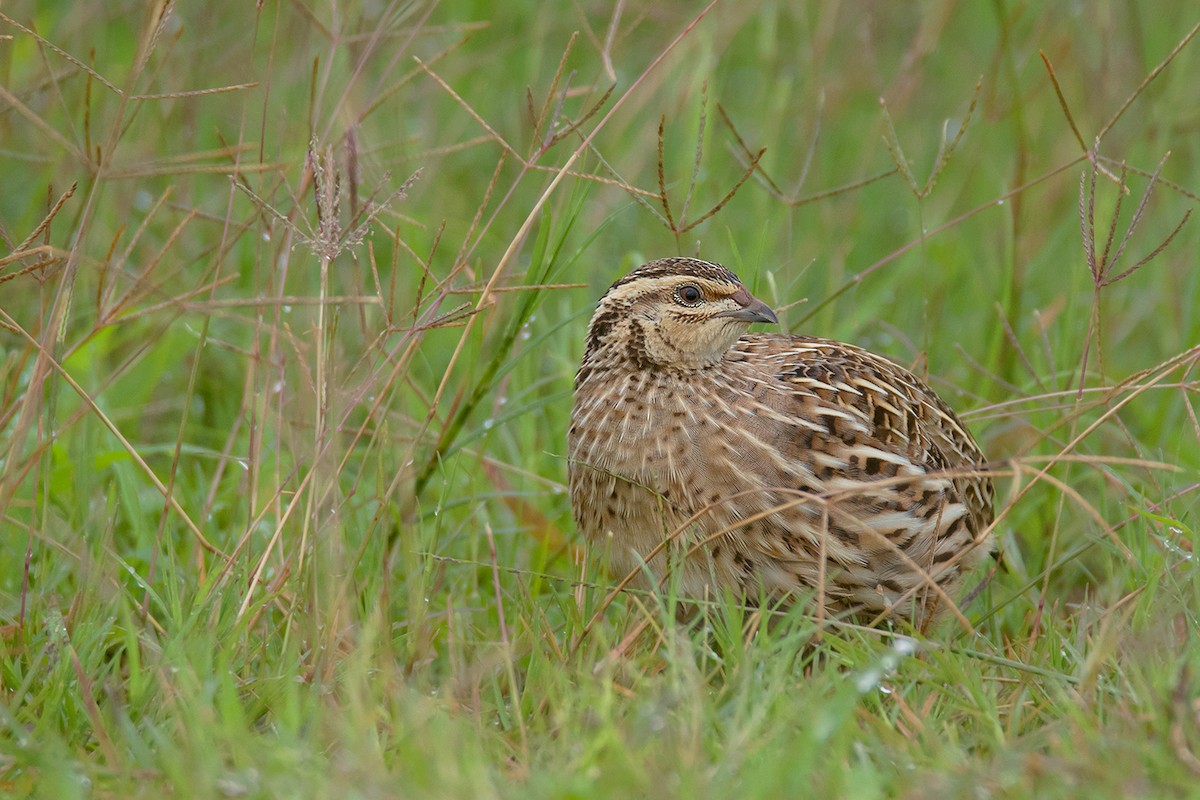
{"points": [[771, 465]]}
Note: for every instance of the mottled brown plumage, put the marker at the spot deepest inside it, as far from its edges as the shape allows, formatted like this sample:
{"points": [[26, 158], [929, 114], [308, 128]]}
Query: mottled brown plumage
{"points": [[769, 464]]}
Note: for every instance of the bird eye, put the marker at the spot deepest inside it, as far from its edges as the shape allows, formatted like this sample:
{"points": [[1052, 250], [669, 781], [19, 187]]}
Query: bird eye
{"points": [[689, 294]]}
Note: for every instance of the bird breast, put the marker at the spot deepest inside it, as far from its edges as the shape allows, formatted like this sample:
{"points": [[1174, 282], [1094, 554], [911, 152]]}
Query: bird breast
{"points": [[654, 439]]}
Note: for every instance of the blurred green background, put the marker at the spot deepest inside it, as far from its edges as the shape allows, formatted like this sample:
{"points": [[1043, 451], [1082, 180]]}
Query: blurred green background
{"points": [[319, 274]]}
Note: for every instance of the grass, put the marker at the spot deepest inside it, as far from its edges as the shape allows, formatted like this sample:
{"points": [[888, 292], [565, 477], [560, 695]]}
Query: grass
{"points": [[291, 299]]}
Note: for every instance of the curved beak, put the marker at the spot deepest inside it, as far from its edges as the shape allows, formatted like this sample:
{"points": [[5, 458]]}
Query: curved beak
{"points": [[752, 309]]}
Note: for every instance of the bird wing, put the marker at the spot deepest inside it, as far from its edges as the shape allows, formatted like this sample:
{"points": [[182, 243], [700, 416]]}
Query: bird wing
{"points": [[858, 419]]}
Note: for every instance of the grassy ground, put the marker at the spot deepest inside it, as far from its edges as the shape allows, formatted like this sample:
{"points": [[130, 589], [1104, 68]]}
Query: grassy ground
{"points": [[290, 302]]}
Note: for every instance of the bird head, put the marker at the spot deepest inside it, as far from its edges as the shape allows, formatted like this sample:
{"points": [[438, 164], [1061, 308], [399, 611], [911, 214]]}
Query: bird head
{"points": [[677, 314]]}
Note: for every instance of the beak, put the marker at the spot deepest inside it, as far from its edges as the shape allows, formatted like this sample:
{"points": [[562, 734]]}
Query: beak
{"points": [[752, 309]]}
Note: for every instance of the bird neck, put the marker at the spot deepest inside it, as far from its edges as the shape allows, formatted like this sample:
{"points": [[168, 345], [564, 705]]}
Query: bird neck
{"points": [[612, 362]]}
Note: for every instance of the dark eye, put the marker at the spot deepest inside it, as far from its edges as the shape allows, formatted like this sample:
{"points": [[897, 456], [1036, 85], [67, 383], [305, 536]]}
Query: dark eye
{"points": [[689, 294]]}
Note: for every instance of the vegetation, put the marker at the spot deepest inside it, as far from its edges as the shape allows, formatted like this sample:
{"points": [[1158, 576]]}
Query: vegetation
{"points": [[291, 297]]}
